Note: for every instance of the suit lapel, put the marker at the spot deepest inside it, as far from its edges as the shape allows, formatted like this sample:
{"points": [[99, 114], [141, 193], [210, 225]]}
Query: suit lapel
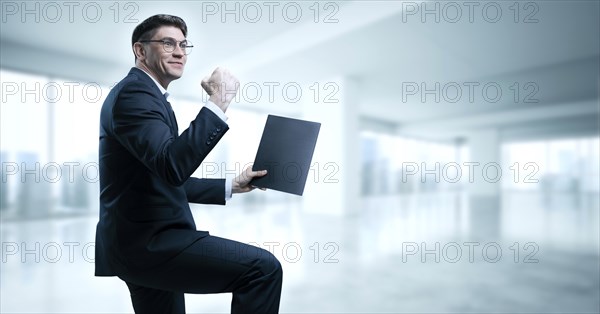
{"points": [[173, 125], [172, 120]]}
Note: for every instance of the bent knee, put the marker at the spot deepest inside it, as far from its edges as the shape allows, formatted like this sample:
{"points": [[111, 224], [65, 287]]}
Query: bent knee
{"points": [[268, 264]]}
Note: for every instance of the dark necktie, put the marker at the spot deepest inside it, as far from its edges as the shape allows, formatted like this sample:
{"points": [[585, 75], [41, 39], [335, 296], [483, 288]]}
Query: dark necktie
{"points": [[171, 114]]}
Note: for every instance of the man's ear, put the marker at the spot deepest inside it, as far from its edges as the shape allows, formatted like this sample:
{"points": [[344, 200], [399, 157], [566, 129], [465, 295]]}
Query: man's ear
{"points": [[138, 50]]}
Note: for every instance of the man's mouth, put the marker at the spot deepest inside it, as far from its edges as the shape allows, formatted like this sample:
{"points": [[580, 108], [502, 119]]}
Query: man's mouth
{"points": [[176, 63]]}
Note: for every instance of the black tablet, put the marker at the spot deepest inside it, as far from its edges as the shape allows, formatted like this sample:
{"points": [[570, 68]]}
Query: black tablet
{"points": [[285, 151]]}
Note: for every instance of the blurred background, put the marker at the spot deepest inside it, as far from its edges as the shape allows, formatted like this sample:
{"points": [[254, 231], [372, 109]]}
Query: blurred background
{"points": [[456, 170]]}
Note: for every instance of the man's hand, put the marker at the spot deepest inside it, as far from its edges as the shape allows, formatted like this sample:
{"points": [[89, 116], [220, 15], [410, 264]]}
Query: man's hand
{"points": [[221, 86], [241, 183]]}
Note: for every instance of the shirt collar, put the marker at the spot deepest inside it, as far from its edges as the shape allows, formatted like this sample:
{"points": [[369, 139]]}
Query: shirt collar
{"points": [[162, 90]]}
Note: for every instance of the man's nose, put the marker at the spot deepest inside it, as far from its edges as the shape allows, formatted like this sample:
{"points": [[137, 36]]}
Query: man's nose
{"points": [[179, 52]]}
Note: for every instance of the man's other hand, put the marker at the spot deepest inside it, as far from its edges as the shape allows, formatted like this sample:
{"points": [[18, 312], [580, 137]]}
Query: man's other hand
{"points": [[221, 86], [241, 184]]}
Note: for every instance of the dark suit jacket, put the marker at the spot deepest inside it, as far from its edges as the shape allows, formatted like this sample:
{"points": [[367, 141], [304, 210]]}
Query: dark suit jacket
{"points": [[145, 183]]}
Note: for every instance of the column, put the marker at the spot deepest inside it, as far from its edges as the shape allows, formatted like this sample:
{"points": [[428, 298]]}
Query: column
{"points": [[484, 192], [333, 185]]}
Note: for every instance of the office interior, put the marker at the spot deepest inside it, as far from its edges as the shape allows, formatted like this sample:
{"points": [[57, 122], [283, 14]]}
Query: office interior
{"points": [[456, 169]]}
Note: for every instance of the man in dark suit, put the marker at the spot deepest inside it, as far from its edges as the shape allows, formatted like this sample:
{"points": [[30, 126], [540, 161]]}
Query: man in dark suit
{"points": [[146, 234]]}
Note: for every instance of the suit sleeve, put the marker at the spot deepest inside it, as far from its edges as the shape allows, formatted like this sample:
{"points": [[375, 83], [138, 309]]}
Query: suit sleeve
{"points": [[205, 191], [140, 124]]}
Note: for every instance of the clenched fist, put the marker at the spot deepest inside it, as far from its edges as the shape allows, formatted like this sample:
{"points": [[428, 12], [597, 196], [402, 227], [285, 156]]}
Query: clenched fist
{"points": [[222, 87]]}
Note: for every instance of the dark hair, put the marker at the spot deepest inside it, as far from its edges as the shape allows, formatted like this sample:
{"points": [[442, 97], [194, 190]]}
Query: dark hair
{"points": [[147, 29]]}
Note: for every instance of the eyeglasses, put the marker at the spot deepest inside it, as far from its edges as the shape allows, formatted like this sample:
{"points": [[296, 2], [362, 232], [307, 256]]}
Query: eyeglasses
{"points": [[170, 43]]}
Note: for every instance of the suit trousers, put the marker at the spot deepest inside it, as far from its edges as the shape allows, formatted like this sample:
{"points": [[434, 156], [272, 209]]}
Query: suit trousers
{"points": [[210, 265]]}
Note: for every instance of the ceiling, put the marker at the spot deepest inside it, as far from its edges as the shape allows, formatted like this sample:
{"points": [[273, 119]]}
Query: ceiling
{"points": [[382, 44]]}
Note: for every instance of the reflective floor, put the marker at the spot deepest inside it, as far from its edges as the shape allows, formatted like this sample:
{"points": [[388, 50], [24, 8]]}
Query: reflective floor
{"points": [[525, 253]]}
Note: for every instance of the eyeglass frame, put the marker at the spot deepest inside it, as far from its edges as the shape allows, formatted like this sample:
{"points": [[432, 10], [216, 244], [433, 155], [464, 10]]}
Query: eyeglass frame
{"points": [[169, 40]]}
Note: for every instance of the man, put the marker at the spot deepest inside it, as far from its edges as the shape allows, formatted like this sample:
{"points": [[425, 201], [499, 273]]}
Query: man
{"points": [[146, 234]]}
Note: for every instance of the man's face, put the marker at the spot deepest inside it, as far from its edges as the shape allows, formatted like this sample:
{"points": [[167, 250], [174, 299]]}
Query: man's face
{"points": [[166, 66]]}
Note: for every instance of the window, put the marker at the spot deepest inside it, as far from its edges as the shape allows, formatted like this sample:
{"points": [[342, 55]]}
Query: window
{"points": [[566, 165], [49, 137], [395, 164]]}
